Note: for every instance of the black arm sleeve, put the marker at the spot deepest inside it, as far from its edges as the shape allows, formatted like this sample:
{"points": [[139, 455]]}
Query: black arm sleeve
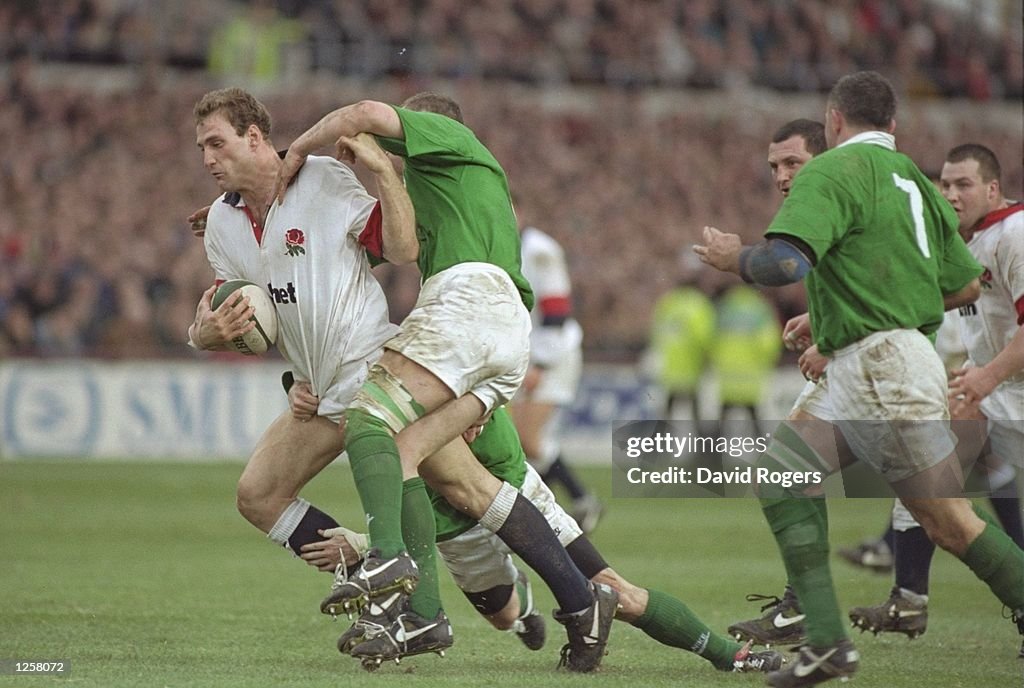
{"points": [[776, 261]]}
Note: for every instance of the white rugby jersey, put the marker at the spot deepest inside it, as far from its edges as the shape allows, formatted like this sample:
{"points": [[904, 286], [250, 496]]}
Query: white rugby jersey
{"points": [[555, 333], [988, 324], [330, 308]]}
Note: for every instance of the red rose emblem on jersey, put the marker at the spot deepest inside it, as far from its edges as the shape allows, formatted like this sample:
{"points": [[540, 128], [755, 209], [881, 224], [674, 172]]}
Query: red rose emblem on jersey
{"points": [[293, 241]]}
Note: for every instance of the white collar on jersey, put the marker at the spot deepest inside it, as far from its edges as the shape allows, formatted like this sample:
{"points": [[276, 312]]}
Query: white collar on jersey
{"points": [[879, 138]]}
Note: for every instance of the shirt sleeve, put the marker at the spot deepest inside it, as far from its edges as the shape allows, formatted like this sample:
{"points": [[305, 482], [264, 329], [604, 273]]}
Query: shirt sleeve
{"points": [[550, 282], [958, 266], [219, 258], [1011, 261], [818, 211], [352, 202], [432, 137]]}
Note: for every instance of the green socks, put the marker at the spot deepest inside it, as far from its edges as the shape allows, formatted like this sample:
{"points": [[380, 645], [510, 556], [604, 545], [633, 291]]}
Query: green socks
{"points": [[800, 525], [418, 531], [377, 471], [999, 563], [671, 622]]}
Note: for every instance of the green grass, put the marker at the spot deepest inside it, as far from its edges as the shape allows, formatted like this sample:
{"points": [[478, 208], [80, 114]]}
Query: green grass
{"points": [[143, 574]]}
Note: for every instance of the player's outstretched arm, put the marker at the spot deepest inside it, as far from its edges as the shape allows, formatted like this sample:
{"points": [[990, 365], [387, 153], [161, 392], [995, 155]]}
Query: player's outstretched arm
{"points": [[398, 220], [773, 262], [369, 116]]}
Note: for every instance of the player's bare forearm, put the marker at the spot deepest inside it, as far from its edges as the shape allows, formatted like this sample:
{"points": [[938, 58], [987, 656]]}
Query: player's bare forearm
{"points": [[1009, 362], [972, 384], [968, 294], [398, 219], [365, 116]]}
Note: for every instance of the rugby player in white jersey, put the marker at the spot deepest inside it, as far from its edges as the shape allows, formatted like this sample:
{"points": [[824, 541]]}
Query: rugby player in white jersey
{"points": [[308, 253], [991, 383], [556, 363]]}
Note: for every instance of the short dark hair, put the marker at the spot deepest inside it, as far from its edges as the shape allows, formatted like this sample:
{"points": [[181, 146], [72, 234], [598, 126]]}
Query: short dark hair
{"points": [[865, 99], [428, 101], [239, 107], [813, 134], [988, 163]]}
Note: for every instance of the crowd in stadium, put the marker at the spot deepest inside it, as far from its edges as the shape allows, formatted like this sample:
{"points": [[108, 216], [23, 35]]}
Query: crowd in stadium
{"points": [[945, 48], [95, 255]]}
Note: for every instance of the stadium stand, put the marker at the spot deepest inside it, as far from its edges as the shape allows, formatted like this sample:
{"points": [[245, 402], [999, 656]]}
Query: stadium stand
{"points": [[625, 140]]}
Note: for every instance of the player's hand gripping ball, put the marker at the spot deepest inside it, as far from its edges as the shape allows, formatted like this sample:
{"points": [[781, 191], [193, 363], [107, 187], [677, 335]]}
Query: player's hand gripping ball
{"points": [[261, 337]]}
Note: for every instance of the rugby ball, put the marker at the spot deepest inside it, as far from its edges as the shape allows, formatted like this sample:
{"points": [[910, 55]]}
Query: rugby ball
{"points": [[261, 337]]}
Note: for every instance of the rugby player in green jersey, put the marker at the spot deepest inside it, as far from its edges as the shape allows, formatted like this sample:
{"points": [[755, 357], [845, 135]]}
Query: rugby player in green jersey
{"points": [[882, 258], [461, 352]]}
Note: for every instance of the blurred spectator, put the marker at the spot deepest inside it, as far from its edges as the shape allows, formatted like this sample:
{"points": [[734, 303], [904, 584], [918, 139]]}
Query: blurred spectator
{"points": [[682, 334], [747, 347], [252, 45]]}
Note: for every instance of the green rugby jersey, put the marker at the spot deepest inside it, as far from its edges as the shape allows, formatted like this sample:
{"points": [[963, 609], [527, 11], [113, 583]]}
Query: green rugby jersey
{"points": [[499, 450], [885, 242], [460, 195]]}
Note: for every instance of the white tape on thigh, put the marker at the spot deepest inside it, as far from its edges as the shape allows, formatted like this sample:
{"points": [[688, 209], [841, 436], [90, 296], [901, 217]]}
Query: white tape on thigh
{"points": [[398, 409]]}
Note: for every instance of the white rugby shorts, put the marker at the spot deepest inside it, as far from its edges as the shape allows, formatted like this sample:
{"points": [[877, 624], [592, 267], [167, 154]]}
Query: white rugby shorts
{"points": [[888, 392], [478, 560], [469, 327], [814, 399], [347, 381]]}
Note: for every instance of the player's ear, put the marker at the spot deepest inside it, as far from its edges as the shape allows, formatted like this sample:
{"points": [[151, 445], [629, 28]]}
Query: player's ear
{"points": [[892, 126], [253, 135], [834, 120], [993, 190]]}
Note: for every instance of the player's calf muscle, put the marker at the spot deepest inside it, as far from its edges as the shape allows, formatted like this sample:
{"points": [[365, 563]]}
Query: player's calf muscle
{"points": [[287, 457]]}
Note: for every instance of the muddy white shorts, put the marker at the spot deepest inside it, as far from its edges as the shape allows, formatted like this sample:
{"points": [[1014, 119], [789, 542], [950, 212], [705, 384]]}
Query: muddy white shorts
{"points": [[349, 378], [469, 327], [478, 560], [814, 399], [888, 392]]}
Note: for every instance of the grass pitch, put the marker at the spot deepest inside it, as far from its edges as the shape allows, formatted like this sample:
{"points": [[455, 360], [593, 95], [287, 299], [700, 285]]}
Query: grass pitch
{"points": [[143, 574]]}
